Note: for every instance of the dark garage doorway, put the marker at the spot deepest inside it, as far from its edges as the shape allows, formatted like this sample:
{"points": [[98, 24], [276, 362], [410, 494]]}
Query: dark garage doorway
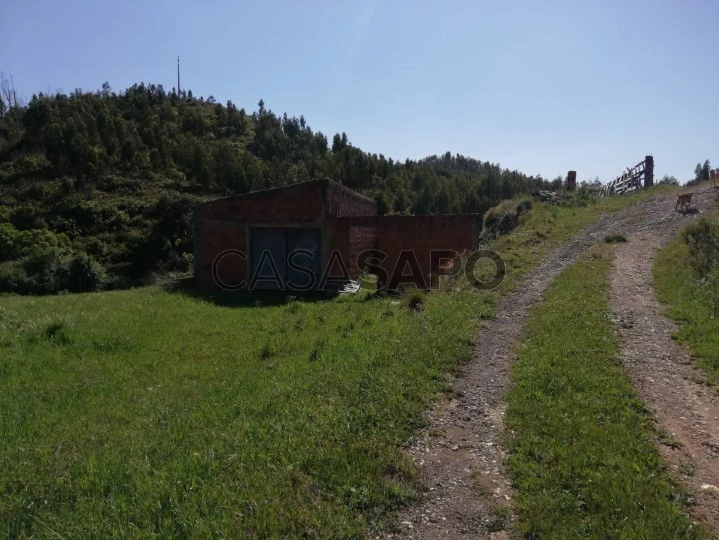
{"points": [[288, 258]]}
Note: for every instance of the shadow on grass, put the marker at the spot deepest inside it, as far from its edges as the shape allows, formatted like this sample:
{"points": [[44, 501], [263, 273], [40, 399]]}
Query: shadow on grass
{"points": [[186, 287]]}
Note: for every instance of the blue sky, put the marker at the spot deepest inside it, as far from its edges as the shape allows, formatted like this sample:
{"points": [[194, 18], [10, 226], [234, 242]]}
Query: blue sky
{"points": [[542, 87]]}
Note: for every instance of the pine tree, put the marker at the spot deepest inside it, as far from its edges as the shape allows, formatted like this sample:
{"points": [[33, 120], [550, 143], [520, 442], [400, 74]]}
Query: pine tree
{"points": [[706, 169], [698, 172]]}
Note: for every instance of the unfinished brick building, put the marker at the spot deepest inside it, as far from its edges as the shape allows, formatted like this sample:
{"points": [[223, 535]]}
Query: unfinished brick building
{"points": [[316, 235]]}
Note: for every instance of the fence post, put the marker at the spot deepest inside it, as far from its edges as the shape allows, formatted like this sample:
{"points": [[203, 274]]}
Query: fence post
{"points": [[648, 171], [571, 180]]}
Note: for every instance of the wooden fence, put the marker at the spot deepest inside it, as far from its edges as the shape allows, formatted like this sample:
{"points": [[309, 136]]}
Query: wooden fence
{"points": [[642, 174]]}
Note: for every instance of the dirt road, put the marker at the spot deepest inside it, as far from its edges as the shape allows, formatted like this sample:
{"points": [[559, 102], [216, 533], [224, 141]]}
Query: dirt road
{"points": [[687, 410], [461, 455]]}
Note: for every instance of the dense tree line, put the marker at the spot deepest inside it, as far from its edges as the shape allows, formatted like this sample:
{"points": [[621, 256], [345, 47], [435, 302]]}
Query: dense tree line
{"points": [[98, 189]]}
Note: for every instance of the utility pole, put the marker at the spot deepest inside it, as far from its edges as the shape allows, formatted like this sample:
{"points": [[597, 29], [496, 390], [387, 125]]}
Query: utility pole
{"points": [[14, 94], [178, 75]]}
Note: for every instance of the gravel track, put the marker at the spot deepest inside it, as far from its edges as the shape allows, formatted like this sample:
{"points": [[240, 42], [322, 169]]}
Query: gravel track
{"points": [[460, 455]]}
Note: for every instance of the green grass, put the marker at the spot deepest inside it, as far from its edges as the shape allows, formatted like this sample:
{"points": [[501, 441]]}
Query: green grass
{"points": [[149, 412], [582, 447], [690, 305], [547, 226], [145, 412]]}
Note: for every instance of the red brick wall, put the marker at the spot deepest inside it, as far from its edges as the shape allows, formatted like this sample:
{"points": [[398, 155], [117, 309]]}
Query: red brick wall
{"points": [[342, 201], [421, 235], [297, 203], [213, 238], [350, 236]]}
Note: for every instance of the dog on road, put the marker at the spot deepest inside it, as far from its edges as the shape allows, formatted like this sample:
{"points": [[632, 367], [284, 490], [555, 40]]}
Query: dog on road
{"points": [[683, 201]]}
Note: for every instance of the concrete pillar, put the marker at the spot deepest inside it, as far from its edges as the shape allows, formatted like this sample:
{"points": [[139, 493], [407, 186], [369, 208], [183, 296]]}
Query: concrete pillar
{"points": [[648, 171], [571, 180]]}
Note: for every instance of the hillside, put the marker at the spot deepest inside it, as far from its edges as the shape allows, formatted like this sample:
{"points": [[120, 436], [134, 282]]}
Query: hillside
{"points": [[160, 412], [97, 189]]}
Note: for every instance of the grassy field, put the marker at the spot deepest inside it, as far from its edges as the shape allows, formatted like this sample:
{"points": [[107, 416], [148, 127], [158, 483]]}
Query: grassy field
{"points": [[155, 412], [582, 452], [148, 412], [690, 304]]}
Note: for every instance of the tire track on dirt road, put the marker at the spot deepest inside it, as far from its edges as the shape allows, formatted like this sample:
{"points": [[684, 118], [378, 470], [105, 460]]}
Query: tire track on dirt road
{"points": [[460, 455], [686, 409]]}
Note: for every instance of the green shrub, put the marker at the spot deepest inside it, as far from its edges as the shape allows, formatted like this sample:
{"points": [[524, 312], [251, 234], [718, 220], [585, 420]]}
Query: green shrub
{"points": [[496, 213], [525, 205], [581, 198], [13, 278], [174, 218], [35, 191], [147, 251], [615, 238], [26, 217], [8, 234], [26, 241], [702, 239], [84, 274], [95, 247], [45, 269], [384, 202], [67, 185], [91, 217], [48, 267], [504, 217], [114, 183], [32, 164]]}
